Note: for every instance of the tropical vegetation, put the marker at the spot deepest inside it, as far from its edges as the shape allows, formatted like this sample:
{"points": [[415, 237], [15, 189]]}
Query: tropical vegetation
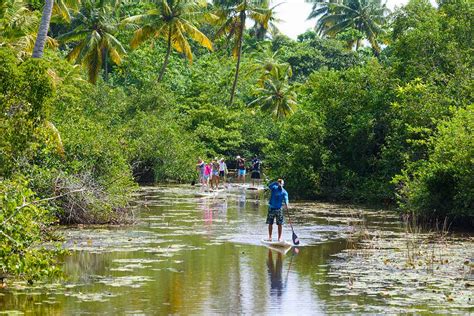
{"points": [[369, 108]]}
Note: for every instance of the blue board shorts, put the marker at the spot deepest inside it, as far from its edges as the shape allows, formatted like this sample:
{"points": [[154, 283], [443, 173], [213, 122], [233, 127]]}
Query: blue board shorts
{"points": [[241, 172], [275, 213]]}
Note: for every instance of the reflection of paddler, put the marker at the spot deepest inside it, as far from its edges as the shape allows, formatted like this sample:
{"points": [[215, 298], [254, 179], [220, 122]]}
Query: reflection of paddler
{"points": [[241, 201], [275, 273], [208, 216]]}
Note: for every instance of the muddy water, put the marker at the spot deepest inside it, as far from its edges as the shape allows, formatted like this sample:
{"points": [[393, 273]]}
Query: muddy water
{"points": [[191, 254]]}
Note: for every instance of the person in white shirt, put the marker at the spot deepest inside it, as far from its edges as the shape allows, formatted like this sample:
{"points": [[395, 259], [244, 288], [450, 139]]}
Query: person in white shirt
{"points": [[222, 170]]}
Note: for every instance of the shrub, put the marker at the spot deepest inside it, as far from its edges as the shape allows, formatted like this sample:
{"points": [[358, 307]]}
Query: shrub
{"points": [[443, 185], [23, 230]]}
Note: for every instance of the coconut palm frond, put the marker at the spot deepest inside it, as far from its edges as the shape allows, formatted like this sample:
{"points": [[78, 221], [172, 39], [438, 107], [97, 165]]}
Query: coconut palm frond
{"points": [[197, 35], [93, 37]]}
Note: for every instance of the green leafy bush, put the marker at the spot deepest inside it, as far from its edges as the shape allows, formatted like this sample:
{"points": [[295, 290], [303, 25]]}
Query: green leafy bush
{"points": [[443, 185], [23, 230], [25, 93], [347, 113]]}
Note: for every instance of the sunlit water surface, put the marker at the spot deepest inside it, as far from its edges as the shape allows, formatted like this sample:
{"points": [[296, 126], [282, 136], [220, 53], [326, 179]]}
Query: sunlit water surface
{"points": [[192, 254]]}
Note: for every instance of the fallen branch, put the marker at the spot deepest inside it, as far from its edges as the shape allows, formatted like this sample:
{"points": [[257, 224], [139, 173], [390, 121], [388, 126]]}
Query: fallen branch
{"points": [[18, 208]]}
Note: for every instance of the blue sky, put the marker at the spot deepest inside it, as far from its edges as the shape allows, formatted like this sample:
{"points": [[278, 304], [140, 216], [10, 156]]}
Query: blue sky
{"points": [[294, 14]]}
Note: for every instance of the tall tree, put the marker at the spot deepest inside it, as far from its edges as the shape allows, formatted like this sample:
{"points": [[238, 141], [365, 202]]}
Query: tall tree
{"points": [[43, 29], [233, 17], [173, 21], [266, 60], [93, 37], [337, 16], [59, 6], [18, 26], [259, 31]]}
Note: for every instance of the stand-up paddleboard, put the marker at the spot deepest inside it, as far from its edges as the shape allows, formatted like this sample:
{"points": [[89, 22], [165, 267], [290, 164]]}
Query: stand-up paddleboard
{"points": [[256, 188], [240, 185], [212, 192], [282, 250], [276, 243], [204, 194]]}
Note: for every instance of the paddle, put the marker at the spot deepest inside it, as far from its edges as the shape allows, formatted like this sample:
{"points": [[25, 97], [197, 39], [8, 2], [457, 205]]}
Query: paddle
{"points": [[295, 238]]}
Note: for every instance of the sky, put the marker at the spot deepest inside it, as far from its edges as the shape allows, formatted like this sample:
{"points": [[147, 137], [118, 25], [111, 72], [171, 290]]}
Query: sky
{"points": [[294, 14]]}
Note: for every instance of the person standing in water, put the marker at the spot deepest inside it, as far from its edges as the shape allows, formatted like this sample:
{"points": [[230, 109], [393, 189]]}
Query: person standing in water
{"points": [[256, 176], [277, 198], [207, 174], [200, 168], [223, 170], [241, 169], [215, 174]]}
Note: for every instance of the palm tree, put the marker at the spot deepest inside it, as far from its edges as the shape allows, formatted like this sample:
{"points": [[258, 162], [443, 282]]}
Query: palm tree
{"points": [[276, 95], [259, 31], [59, 6], [233, 17], [337, 16], [172, 20], [266, 61], [18, 27], [320, 7], [93, 37]]}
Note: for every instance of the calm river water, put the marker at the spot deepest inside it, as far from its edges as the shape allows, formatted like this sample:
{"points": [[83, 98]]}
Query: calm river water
{"points": [[190, 254]]}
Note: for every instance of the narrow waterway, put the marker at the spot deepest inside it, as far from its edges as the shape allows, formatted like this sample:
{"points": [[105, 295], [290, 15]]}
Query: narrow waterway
{"points": [[193, 254]]}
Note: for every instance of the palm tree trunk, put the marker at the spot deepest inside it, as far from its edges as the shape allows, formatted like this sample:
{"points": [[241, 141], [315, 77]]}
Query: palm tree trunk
{"points": [[375, 47], [357, 44], [106, 68], [43, 29], [239, 55], [168, 51]]}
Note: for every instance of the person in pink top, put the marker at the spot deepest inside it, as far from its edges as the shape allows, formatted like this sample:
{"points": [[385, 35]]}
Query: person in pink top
{"points": [[207, 173]]}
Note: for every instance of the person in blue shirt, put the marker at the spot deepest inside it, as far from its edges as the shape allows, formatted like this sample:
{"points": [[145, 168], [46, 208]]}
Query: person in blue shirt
{"points": [[277, 198]]}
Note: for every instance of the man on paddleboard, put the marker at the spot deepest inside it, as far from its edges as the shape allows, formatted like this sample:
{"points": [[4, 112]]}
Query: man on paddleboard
{"points": [[277, 198]]}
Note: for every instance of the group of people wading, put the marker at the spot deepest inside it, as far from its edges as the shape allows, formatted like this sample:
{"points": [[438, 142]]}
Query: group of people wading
{"points": [[213, 173]]}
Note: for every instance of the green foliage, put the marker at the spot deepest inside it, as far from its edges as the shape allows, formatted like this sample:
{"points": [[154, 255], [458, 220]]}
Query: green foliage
{"points": [[155, 137], [443, 185], [299, 155], [360, 122], [23, 231], [93, 35], [312, 53], [276, 96], [353, 105], [35, 4], [25, 93], [366, 16], [429, 41], [232, 22], [172, 21]]}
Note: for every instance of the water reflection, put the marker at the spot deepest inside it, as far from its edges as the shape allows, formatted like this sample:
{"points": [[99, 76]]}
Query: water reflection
{"points": [[241, 201], [275, 273]]}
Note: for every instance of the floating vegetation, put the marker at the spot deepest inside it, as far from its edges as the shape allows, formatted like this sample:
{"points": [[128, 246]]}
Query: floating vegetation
{"points": [[105, 240], [133, 281], [434, 274], [91, 297]]}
